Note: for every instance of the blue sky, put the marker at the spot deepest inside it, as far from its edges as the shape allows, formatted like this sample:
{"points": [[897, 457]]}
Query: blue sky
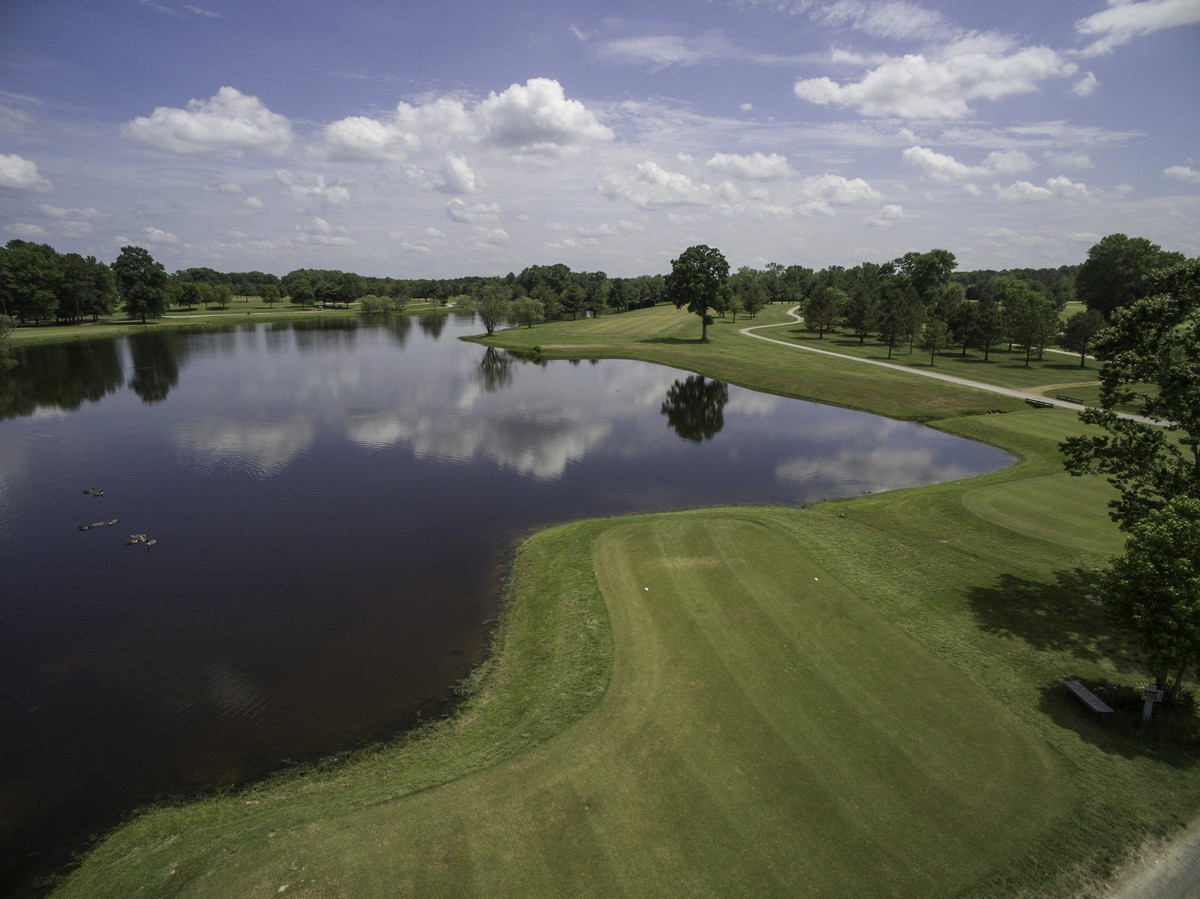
{"points": [[470, 137]]}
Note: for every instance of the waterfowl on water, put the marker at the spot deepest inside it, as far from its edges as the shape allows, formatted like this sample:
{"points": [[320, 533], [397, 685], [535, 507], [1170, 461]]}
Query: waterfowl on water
{"points": [[94, 491]]}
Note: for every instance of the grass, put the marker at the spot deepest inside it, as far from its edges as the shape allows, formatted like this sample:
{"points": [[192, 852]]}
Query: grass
{"points": [[858, 698]]}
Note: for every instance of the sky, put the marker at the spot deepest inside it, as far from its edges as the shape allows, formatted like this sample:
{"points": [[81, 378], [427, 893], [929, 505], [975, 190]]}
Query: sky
{"points": [[470, 137]]}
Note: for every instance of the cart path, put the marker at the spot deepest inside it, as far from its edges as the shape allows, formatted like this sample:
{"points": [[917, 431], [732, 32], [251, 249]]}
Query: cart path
{"points": [[922, 372]]}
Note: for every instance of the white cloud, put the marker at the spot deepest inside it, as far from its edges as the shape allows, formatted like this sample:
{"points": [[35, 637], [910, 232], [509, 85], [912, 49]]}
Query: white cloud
{"points": [[1060, 188], [914, 86], [313, 190], [459, 211], [27, 230], [1071, 160], [230, 122], [1086, 85], [664, 50], [1183, 173], [755, 167], [944, 167], [537, 115], [359, 137], [652, 186], [1123, 21], [837, 190], [159, 236], [21, 174], [457, 176], [887, 216], [894, 19], [323, 233]]}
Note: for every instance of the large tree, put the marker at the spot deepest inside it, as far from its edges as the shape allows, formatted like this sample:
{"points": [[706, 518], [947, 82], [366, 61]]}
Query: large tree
{"points": [[1151, 363], [141, 282], [493, 305], [1152, 590], [1080, 330], [1115, 273], [697, 280]]}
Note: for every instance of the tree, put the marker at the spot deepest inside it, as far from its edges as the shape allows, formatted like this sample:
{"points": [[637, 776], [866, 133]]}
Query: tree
{"points": [[1152, 590], [31, 281], [141, 283], [900, 311], [1150, 359], [935, 335], [527, 311], [1115, 272], [697, 280], [493, 305], [269, 294], [1080, 330], [822, 309], [301, 292], [988, 324]]}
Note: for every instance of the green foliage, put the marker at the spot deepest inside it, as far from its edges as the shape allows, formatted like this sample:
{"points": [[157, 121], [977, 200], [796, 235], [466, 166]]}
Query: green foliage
{"points": [[1080, 330], [1152, 590], [528, 312], [1115, 273], [373, 305], [697, 281], [141, 282], [1151, 357], [492, 306]]}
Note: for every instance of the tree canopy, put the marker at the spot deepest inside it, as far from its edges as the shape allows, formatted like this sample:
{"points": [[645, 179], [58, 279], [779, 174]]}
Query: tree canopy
{"points": [[1152, 590], [697, 280], [1151, 362], [1116, 271], [141, 282]]}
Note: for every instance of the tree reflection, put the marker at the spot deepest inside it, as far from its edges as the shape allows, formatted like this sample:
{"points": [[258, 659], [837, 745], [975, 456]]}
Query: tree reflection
{"points": [[495, 369], [695, 407], [155, 357], [60, 376]]}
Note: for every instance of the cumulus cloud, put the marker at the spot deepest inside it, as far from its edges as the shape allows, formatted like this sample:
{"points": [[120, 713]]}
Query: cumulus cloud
{"points": [[1060, 188], [537, 115], [755, 167], [651, 185], [820, 193], [359, 137], [1122, 21], [159, 236], [21, 174], [456, 176], [230, 122], [915, 86], [943, 167], [1183, 173]]}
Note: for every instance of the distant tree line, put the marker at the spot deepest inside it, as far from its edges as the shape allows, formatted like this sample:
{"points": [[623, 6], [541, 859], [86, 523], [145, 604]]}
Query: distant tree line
{"points": [[916, 300]]}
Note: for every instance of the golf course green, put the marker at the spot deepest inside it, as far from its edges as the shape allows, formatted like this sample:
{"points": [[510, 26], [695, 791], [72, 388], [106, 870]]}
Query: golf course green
{"points": [[860, 698]]}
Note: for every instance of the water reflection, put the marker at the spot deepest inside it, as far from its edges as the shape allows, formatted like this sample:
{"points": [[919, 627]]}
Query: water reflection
{"points": [[156, 359], [695, 408], [61, 376], [495, 369]]}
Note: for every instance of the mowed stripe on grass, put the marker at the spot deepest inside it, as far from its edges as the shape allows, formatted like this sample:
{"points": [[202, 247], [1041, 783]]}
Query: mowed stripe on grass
{"points": [[761, 734]]}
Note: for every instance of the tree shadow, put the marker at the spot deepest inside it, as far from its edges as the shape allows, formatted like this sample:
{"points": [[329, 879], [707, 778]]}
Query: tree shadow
{"points": [[673, 341], [1173, 738], [1063, 614]]}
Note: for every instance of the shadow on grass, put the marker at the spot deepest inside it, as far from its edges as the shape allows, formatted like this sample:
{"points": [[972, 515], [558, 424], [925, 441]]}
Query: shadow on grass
{"points": [[1171, 737], [1062, 614], [672, 341]]}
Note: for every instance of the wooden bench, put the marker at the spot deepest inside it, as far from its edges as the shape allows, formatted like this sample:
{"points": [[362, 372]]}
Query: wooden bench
{"points": [[1070, 399], [1087, 697], [1039, 404]]}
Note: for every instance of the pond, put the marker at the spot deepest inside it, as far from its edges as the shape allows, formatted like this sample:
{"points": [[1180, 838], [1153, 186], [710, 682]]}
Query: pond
{"points": [[331, 503]]}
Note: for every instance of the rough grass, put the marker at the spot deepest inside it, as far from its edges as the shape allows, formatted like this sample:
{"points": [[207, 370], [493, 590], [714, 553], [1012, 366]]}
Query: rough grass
{"points": [[859, 698]]}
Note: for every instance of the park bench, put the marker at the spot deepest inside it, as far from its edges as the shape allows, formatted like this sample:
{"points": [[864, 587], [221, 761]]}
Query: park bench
{"points": [[1087, 697], [1038, 404], [1070, 399]]}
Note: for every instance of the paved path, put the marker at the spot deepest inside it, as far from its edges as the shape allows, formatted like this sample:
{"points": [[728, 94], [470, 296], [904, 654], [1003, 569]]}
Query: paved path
{"points": [[923, 372]]}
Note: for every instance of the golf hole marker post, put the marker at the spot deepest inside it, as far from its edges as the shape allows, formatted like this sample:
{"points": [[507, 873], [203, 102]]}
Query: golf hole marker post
{"points": [[1150, 695]]}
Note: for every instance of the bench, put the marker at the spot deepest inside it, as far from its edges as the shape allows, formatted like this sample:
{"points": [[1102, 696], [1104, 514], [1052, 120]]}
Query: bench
{"points": [[1070, 399], [1087, 697], [1039, 404]]}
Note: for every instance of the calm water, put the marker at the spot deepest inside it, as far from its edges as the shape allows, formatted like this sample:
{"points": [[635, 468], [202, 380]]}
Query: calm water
{"points": [[332, 503]]}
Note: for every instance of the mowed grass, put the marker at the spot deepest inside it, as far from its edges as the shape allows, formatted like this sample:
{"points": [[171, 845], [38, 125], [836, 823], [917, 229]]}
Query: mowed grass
{"points": [[861, 698]]}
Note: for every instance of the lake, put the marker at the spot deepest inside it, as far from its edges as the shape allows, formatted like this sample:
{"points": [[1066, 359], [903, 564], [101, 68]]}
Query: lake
{"points": [[333, 503]]}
